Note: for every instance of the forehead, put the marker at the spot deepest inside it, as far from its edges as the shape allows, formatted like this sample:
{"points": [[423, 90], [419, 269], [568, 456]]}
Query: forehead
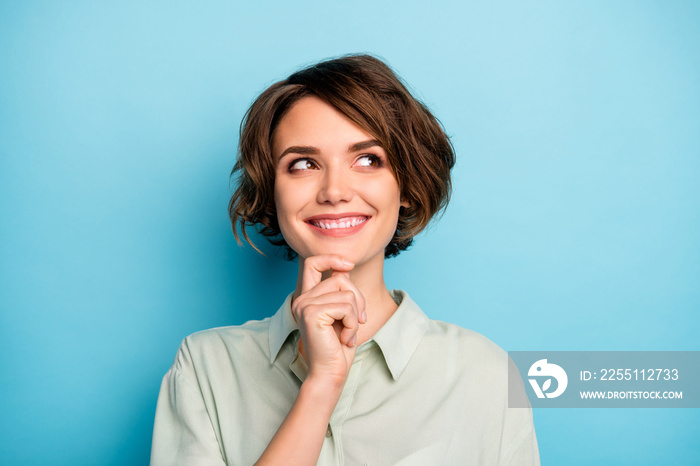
{"points": [[313, 122]]}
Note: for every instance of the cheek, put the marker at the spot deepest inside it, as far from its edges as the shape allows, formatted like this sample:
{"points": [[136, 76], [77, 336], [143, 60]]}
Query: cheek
{"points": [[281, 210], [289, 202], [386, 198], [387, 195], [285, 222], [289, 198], [283, 197]]}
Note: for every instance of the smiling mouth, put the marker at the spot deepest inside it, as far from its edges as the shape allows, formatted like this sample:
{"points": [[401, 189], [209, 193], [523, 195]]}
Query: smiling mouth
{"points": [[338, 223]]}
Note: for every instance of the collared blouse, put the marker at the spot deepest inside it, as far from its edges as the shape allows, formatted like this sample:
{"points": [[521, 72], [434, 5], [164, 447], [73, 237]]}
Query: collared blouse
{"points": [[420, 392]]}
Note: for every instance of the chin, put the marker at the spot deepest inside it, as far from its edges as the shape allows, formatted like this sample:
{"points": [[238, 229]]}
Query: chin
{"points": [[353, 249]]}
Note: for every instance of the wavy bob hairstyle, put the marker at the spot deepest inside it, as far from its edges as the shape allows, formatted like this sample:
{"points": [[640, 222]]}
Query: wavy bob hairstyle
{"points": [[366, 91]]}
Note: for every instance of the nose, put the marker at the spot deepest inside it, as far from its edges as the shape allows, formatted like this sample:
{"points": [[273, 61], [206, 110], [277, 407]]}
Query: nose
{"points": [[335, 187]]}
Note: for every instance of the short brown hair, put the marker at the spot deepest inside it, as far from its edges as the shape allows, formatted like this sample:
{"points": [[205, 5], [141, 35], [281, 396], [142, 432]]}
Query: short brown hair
{"points": [[366, 91]]}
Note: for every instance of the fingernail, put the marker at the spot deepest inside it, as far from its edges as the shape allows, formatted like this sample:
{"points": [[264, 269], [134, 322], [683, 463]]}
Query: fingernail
{"points": [[347, 262], [364, 316], [354, 340]]}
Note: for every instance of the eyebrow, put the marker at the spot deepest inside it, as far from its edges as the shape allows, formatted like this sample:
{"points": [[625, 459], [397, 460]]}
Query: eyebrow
{"points": [[302, 150], [311, 150], [358, 146]]}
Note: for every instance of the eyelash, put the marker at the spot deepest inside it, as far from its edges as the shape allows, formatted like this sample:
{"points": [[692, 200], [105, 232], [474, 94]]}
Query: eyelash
{"points": [[295, 161], [372, 157]]}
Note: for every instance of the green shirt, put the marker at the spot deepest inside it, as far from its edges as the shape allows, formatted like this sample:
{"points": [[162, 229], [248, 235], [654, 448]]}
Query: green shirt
{"points": [[420, 392]]}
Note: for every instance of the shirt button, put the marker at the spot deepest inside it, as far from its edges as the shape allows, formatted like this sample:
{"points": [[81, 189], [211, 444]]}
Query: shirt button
{"points": [[329, 432]]}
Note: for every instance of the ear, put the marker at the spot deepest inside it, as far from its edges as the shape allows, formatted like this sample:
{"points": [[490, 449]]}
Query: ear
{"points": [[405, 203]]}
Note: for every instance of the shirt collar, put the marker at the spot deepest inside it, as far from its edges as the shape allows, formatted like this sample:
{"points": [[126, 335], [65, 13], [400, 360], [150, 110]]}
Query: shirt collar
{"points": [[282, 324], [398, 338], [401, 334]]}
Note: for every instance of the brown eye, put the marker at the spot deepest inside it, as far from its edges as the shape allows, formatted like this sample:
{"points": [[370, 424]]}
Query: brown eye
{"points": [[369, 160], [302, 164]]}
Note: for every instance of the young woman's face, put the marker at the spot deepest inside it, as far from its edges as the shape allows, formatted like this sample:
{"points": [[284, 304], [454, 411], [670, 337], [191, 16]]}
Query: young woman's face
{"points": [[335, 192]]}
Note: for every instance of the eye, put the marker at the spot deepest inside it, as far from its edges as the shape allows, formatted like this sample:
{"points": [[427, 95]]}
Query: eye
{"points": [[369, 160], [302, 165]]}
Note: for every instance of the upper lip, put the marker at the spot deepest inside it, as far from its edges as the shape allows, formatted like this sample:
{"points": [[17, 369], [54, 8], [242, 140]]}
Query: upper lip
{"points": [[335, 216]]}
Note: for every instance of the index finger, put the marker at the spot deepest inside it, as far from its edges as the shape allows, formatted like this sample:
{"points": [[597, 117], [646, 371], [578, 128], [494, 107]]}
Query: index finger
{"points": [[315, 266]]}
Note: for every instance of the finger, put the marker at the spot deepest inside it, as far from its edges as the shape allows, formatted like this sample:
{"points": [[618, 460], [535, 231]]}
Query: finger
{"points": [[347, 317], [330, 315], [331, 297], [316, 308], [338, 282], [314, 267], [338, 272], [361, 313], [334, 283]]}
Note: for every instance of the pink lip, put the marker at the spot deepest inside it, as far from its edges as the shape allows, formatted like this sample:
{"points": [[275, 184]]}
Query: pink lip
{"points": [[336, 216], [336, 231]]}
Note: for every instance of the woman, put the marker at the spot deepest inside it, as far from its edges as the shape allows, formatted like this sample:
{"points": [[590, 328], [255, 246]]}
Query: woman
{"points": [[342, 167]]}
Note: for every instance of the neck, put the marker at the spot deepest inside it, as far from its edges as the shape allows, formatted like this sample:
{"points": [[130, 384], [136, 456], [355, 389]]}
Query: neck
{"points": [[369, 279]]}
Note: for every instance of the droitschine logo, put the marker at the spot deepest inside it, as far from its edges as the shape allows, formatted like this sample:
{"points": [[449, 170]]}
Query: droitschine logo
{"points": [[541, 369]]}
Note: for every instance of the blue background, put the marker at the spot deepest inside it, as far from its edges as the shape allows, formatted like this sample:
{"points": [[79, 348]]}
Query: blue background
{"points": [[574, 223]]}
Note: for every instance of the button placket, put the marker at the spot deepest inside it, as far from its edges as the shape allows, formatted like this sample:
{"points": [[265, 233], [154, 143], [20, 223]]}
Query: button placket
{"points": [[345, 403]]}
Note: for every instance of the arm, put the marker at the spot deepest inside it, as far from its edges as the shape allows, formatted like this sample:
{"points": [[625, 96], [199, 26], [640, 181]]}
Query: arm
{"points": [[182, 433], [523, 450], [300, 436], [328, 313], [519, 442]]}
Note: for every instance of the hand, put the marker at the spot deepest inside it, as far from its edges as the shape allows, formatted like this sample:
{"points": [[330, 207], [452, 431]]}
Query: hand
{"points": [[328, 313]]}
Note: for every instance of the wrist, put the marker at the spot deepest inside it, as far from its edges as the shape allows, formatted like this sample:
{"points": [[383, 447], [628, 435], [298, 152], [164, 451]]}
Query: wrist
{"points": [[323, 389]]}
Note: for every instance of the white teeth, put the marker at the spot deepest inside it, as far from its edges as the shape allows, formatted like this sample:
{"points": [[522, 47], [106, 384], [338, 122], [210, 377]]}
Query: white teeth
{"points": [[347, 223]]}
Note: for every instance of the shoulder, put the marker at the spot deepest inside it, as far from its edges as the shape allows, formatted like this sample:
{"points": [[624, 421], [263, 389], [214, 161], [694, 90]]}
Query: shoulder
{"points": [[457, 350], [458, 341], [208, 348], [251, 330], [464, 356]]}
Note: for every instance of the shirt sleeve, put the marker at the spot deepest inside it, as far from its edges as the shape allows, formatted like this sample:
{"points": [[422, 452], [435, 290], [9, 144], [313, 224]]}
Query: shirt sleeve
{"points": [[523, 450], [183, 433], [519, 442]]}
